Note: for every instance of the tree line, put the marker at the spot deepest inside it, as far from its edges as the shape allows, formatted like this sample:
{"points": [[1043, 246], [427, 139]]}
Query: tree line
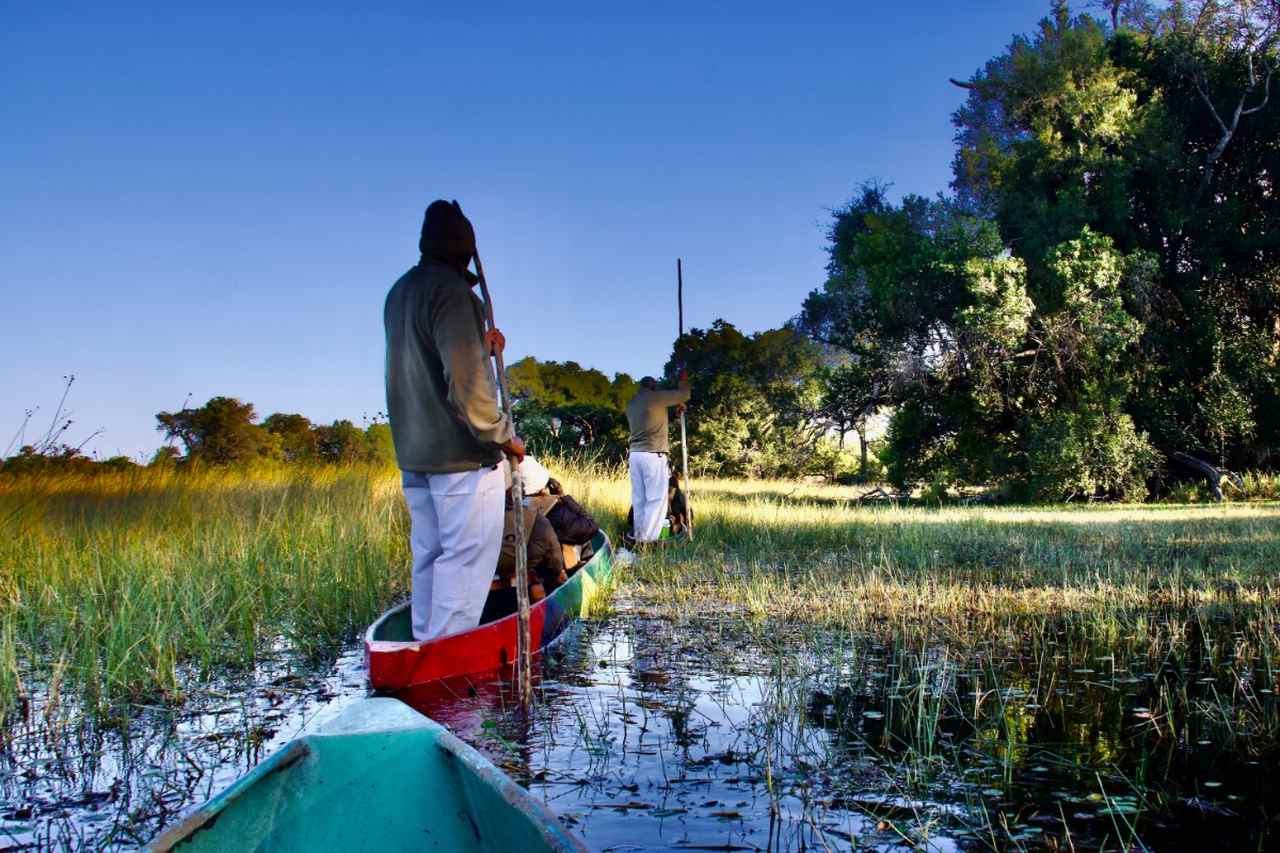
{"points": [[223, 431], [1091, 309]]}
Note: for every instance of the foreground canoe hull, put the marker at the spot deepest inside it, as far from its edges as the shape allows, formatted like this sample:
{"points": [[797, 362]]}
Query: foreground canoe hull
{"points": [[380, 778], [395, 662]]}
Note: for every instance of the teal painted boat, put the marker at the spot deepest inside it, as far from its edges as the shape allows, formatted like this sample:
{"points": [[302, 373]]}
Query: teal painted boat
{"points": [[380, 777]]}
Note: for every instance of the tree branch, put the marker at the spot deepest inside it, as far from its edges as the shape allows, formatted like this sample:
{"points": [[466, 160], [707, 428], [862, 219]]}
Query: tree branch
{"points": [[1213, 111], [1266, 93]]}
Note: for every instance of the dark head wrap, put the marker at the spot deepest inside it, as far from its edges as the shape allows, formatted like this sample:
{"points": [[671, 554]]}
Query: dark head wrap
{"points": [[447, 235]]}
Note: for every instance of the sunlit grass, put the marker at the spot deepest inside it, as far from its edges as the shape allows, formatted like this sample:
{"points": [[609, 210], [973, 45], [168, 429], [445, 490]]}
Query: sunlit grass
{"points": [[133, 585], [814, 552]]}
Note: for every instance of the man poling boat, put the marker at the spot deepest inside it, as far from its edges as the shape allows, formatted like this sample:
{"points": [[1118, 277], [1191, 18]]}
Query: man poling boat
{"points": [[653, 489], [449, 431], [649, 449], [452, 426]]}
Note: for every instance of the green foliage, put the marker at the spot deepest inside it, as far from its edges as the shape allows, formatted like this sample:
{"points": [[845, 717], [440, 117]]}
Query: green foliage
{"points": [[62, 458], [1089, 454], [755, 409], [756, 403], [340, 443], [920, 445], [562, 408], [1079, 127], [296, 438], [845, 465], [554, 384], [166, 457], [999, 314], [1106, 280], [221, 431], [379, 447]]}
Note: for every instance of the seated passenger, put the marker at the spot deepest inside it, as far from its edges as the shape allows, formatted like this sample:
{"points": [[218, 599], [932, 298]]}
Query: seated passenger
{"points": [[545, 563], [573, 525], [677, 506]]}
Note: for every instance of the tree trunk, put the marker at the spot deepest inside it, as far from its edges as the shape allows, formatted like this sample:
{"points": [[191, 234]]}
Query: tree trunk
{"points": [[1213, 474], [862, 449]]}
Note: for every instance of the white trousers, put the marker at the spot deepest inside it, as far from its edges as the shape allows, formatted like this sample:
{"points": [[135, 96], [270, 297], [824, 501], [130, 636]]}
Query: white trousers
{"points": [[649, 477], [455, 535]]}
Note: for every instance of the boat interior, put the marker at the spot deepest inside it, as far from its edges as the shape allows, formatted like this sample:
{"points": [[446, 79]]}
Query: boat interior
{"points": [[396, 626]]}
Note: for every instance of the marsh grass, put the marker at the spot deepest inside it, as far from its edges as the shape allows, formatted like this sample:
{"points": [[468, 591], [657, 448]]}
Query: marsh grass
{"points": [[130, 586], [935, 640], [963, 634]]}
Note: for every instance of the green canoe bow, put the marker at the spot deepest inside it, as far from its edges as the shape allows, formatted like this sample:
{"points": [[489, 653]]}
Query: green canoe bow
{"points": [[380, 777]]}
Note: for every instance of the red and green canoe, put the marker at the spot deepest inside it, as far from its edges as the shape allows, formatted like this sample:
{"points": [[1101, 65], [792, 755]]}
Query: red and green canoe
{"points": [[396, 661]]}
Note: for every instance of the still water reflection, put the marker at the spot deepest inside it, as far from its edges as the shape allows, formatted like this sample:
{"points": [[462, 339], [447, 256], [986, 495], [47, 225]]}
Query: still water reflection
{"points": [[715, 734], [650, 734]]}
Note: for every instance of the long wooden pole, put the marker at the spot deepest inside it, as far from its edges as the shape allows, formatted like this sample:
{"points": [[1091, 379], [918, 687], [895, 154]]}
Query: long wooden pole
{"points": [[684, 440], [524, 655]]}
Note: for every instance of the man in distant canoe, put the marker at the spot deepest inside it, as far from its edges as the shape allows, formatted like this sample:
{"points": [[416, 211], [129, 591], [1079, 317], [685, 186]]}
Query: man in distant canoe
{"points": [[449, 431], [647, 417]]}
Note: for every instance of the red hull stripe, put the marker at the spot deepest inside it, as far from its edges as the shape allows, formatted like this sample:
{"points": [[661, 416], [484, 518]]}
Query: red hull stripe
{"points": [[487, 648]]}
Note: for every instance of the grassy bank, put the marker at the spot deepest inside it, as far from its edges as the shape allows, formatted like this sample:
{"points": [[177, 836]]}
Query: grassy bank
{"points": [[128, 586]]}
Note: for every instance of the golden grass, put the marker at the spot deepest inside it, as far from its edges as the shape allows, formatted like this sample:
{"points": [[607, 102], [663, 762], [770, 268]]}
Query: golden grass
{"points": [[133, 584]]}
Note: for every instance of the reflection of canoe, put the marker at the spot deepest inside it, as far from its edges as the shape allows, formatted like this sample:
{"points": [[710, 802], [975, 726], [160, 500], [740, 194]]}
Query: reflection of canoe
{"points": [[396, 661], [381, 777]]}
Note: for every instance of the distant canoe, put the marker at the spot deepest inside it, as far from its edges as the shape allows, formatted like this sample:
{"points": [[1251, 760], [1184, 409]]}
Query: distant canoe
{"points": [[381, 777], [397, 662]]}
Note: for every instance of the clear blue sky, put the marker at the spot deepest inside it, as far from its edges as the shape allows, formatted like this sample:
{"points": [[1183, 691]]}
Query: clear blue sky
{"points": [[216, 201]]}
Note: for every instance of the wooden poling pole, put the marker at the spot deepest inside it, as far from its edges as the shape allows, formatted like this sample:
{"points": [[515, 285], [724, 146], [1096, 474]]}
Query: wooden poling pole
{"points": [[524, 655], [684, 439]]}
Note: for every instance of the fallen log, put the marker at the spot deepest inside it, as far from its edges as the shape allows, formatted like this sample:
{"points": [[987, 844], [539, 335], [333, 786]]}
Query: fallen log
{"points": [[1212, 473]]}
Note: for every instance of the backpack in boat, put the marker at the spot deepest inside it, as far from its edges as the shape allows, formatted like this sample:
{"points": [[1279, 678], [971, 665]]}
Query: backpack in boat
{"points": [[573, 524]]}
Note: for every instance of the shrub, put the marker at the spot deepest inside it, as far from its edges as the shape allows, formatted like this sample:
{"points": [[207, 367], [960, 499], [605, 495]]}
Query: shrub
{"points": [[1074, 455]]}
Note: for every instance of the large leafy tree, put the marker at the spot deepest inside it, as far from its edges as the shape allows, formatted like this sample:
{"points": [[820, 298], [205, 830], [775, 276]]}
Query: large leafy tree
{"points": [[221, 431], [294, 434], [1160, 133], [756, 408], [1105, 281]]}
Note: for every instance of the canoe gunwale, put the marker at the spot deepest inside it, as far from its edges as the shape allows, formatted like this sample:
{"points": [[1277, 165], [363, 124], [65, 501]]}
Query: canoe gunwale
{"points": [[205, 816]]}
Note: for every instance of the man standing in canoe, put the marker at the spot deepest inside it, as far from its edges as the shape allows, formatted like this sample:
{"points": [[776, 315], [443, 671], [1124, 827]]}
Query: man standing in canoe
{"points": [[449, 430], [647, 417]]}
